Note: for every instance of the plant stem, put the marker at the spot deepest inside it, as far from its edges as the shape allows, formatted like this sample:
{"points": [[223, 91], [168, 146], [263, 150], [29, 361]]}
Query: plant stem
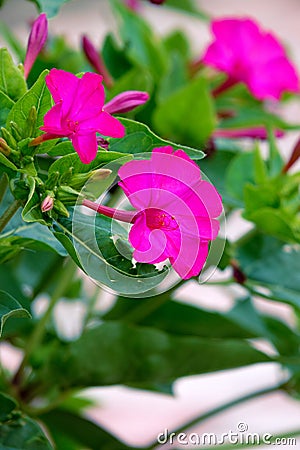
{"points": [[9, 213], [3, 185], [39, 331], [221, 408]]}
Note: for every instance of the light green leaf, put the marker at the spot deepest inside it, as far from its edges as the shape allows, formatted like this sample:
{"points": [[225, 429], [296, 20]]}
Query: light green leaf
{"points": [[189, 7], [10, 307], [12, 81], [140, 139], [187, 115], [50, 7], [5, 106], [39, 97], [6, 162], [32, 209]]}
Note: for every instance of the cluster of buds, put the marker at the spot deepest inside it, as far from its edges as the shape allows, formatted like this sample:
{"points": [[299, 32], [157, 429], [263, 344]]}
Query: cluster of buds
{"points": [[68, 195]]}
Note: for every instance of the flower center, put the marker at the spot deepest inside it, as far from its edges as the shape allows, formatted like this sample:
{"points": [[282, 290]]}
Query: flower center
{"points": [[73, 125], [157, 218]]}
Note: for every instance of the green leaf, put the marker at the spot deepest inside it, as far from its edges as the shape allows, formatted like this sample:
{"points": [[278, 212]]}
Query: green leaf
{"points": [[271, 263], [137, 78], [115, 58], [10, 307], [117, 353], [6, 162], [5, 106], [181, 319], [71, 163], [50, 7], [175, 78], [12, 81], [85, 433], [188, 6], [239, 172], [143, 46], [187, 115], [7, 406], [39, 97], [32, 209], [177, 42], [101, 245], [140, 139], [23, 433]]}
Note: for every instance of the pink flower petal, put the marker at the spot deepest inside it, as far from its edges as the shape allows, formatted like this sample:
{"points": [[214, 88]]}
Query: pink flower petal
{"points": [[109, 126], [52, 121], [63, 87], [86, 146], [89, 99]]}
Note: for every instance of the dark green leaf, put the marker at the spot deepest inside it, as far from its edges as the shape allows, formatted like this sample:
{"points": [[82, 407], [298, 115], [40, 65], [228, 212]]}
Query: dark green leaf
{"points": [[116, 353], [23, 434], [10, 307], [97, 241], [85, 433], [270, 262], [7, 405], [115, 58], [143, 46]]}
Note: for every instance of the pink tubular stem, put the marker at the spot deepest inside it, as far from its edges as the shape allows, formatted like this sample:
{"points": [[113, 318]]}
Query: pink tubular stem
{"points": [[123, 216]]}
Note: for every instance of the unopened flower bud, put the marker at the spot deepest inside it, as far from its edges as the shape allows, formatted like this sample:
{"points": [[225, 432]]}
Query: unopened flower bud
{"points": [[36, 41], [157, 2], [60, 208], [15, 131], [68, 195], [96, 61], [101, 174], [8, 138], [103, 142], [4, 148], [31, 121], [47, 204], [126, 101]]}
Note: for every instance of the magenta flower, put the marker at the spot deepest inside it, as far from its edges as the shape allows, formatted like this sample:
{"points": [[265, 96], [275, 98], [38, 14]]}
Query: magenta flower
{"points": [[126, 101], [177, 210], [250, 55], [36, 41], [78, 112], [239, 133]]}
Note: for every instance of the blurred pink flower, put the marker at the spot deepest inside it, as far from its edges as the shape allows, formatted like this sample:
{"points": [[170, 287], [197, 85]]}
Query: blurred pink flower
{"points": [[126, 101], [47, 204], [177, 210], [239, 133], [78, 112], [36, 41], [251, 55]]}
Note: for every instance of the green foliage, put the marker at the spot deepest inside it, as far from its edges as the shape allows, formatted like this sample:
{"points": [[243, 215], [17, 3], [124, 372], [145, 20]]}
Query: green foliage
{"points": [[50, 7], [12, 82], [10, 307], [188, 114], [23, 433], [116, 353]]}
